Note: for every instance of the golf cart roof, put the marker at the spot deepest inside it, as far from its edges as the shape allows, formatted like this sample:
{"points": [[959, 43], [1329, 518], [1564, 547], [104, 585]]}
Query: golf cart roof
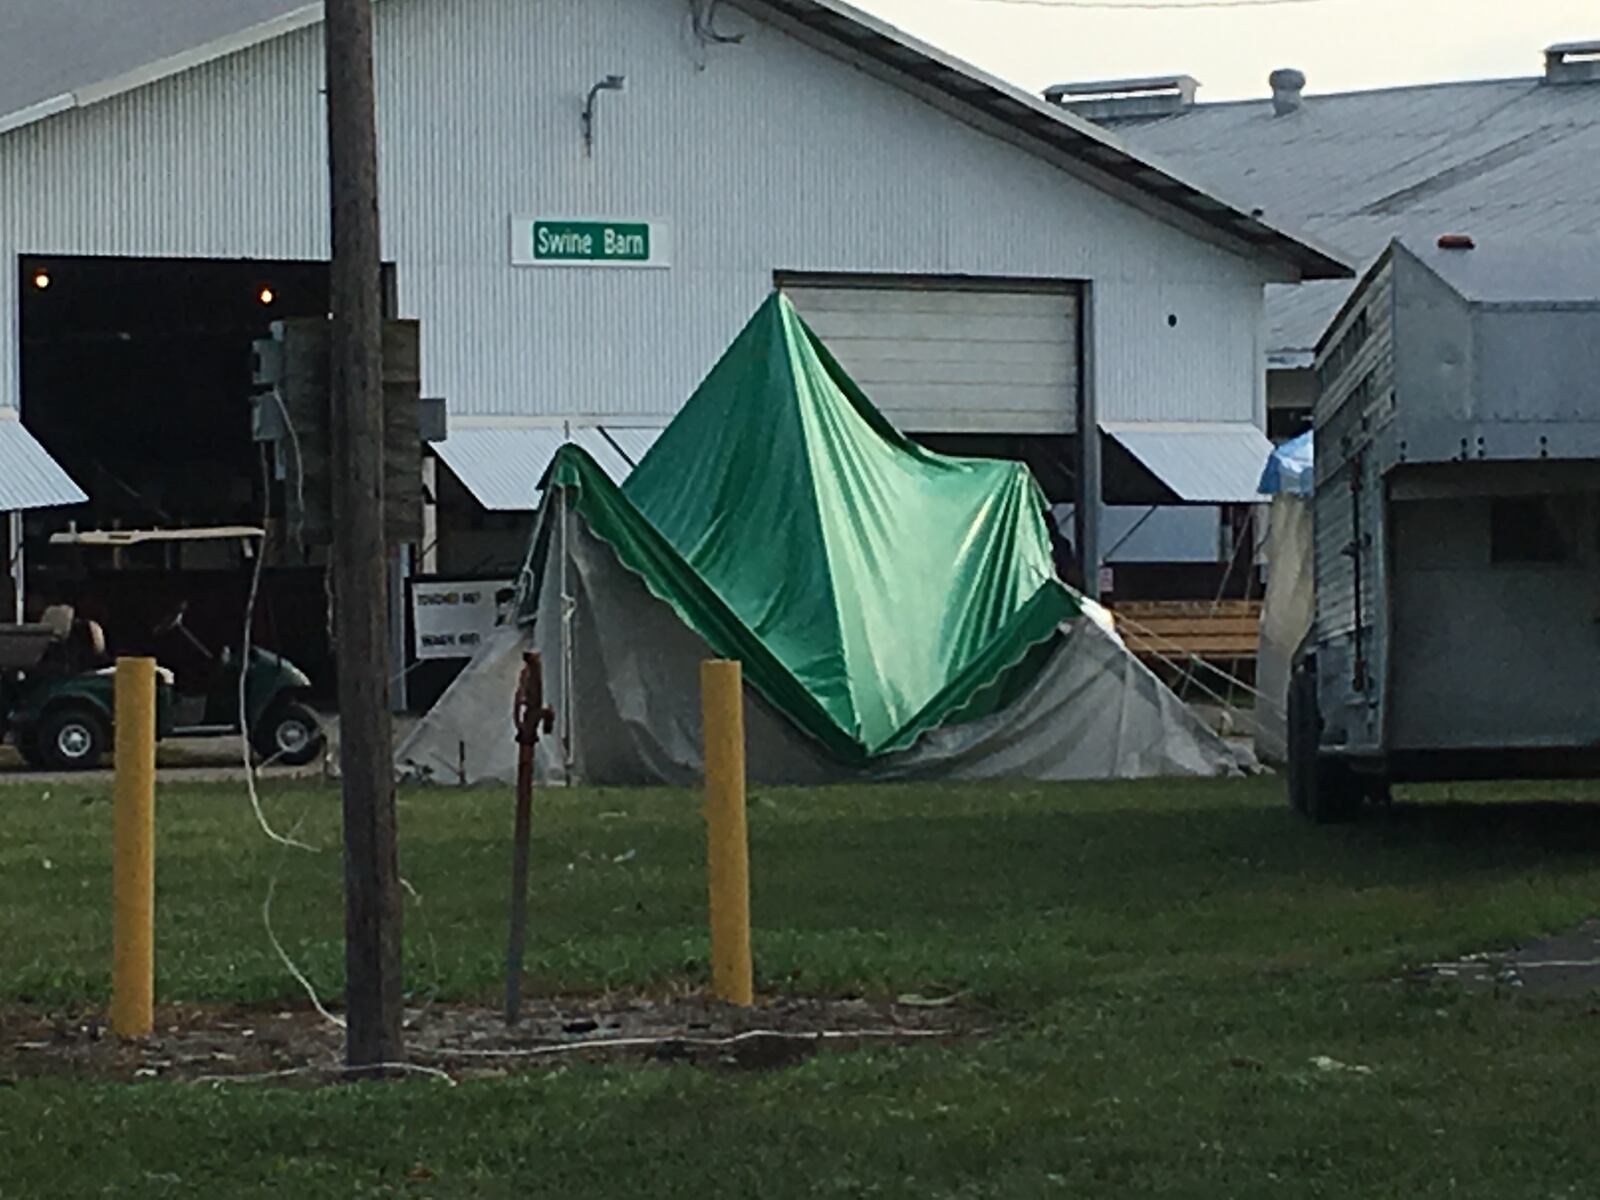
{"points": [[138, 537]]}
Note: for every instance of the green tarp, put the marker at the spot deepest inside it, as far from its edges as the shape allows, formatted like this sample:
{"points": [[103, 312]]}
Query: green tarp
{"points": [[872, 589]]}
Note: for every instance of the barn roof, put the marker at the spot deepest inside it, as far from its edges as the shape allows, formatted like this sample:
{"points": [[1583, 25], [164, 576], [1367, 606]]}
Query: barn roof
{"points": [[1504, 158]]}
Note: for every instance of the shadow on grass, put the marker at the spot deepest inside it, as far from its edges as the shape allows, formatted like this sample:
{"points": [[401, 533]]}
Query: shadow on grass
{"points": [[1542, 827]]}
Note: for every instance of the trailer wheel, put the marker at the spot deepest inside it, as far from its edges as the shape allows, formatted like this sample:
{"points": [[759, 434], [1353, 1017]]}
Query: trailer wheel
{"points": [[1322, 787], [1302, 736], [1337, 792]]}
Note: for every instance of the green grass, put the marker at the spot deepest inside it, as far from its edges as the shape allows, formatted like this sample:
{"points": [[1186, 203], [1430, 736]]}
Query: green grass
{"points": [[1161, 961]]}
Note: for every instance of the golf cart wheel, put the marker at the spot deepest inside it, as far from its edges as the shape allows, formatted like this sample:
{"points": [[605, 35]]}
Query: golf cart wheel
{"points": [[72, 738], [291, 733]]}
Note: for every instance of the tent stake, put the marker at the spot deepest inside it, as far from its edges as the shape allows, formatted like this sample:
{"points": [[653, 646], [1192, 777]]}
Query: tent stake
{"points": [[528, 714]]}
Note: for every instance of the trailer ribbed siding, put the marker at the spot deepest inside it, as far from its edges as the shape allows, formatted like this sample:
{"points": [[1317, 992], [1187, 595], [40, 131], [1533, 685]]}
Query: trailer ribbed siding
{"points": [[1356, 402]]}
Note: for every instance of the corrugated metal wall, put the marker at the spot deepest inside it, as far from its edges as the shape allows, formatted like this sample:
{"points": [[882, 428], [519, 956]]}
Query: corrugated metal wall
{"points": [[763, 156]]}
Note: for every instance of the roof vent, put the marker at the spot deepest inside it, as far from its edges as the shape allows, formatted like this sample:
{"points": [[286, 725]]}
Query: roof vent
{"points": [[1457, 241], [1572, 62], [1122, 99], [1288, 87]]}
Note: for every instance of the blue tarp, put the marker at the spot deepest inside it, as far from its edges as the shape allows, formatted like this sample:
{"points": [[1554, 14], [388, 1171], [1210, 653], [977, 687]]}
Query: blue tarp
{"points": [[1288, 469]]}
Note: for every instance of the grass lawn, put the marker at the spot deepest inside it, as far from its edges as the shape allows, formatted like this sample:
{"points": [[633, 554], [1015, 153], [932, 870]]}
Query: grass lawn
{"points": [[1160, 964]]}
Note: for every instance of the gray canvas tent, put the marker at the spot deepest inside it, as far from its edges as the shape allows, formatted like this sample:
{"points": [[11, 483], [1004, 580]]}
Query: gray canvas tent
{"points": [[895, 611], [1290, 601]]}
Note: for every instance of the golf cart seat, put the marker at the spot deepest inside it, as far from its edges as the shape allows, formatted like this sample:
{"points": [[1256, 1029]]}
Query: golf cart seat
{"points": [[86, 646], [81, 649], [58, 620], [24, 647]]}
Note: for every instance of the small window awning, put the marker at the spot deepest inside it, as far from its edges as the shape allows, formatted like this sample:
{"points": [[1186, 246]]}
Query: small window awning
{"points": [[1198, 463], [29, 477], [502, 466]]}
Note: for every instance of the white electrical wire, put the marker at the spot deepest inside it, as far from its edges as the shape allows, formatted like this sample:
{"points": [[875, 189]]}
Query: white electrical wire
{"points": [[297, 521], [327, 1069], [290, 841], [289, 963], [638, 1043], [698, 1043], [244, 664]]}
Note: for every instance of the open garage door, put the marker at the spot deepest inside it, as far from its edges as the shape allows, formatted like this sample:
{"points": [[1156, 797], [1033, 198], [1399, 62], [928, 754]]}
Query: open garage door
{"points": [[941, 356]]}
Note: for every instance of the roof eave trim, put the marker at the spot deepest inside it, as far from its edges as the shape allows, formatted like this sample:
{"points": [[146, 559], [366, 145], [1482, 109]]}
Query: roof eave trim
{"points": [[36, 112], [164, 68]]}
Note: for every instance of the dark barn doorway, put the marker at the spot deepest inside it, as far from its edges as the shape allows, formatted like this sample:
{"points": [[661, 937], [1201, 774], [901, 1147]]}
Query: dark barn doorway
{"points": [[137, 376]]}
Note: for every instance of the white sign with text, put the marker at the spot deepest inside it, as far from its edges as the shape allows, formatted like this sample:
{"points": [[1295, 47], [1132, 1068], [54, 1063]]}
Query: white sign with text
{"points": [[451, 620]]}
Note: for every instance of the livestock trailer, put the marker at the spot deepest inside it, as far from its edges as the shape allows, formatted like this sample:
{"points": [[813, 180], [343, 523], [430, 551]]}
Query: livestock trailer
{"points": [[1456, 513]]}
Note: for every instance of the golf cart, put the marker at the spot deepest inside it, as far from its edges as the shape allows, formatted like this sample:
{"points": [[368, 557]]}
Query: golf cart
{"points": [[56, 686]]}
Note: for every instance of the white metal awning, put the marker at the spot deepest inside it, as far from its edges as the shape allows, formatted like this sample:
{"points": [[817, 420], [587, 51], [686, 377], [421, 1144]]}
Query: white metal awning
{"points": [[29, 477], [502, 465], [1202, 463]]}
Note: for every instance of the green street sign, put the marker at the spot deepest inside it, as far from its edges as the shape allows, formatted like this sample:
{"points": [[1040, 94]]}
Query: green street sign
{"points": [[590, 241], [552, 242]]}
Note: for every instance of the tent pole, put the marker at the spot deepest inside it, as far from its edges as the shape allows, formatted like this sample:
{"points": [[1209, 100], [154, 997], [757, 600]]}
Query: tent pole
{"points": [[1090, 491], [568, 705], [18, 567]]}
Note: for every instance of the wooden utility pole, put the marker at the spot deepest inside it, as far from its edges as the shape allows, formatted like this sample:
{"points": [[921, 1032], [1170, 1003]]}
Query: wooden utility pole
{"points": [[360, 579]]}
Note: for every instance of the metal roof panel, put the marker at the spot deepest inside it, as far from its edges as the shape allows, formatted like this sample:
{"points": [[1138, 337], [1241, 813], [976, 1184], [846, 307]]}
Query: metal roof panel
{"points": [[502, 466], [1516, 271], [1214, 463], [53, 50], [29, 477], [1504, 157]]}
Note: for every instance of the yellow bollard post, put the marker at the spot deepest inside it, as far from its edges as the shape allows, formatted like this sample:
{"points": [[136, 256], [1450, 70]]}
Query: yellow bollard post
{"points": [[727, 842], [133, 863]]}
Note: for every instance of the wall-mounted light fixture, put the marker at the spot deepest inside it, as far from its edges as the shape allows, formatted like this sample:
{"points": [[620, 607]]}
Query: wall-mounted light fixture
{"points": [[611, 83]]}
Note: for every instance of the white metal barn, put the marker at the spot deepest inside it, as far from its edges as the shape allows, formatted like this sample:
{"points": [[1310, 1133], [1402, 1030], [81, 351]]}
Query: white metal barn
{"points": [[580, 248]]}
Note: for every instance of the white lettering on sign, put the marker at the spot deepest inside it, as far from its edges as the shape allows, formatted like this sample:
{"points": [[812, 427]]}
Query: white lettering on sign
{"points": [[621, 245], [571, 245], [451, 620]]}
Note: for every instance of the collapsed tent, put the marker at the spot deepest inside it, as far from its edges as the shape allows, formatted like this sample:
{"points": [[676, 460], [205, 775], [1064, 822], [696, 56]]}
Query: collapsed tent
{"points": [[1290, 602], [896, 611]]}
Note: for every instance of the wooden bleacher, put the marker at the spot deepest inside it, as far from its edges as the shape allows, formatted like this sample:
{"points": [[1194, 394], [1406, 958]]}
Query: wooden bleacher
{"points": [[1224, 631]]}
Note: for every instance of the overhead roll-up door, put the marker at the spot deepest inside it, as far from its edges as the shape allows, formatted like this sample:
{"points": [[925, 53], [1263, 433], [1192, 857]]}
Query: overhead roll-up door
{"points": [[946, 359]]}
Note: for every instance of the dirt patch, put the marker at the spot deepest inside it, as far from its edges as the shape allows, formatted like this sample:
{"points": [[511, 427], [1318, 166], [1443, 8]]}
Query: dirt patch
{"points": [[1566, 965], [214, 1045]]}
